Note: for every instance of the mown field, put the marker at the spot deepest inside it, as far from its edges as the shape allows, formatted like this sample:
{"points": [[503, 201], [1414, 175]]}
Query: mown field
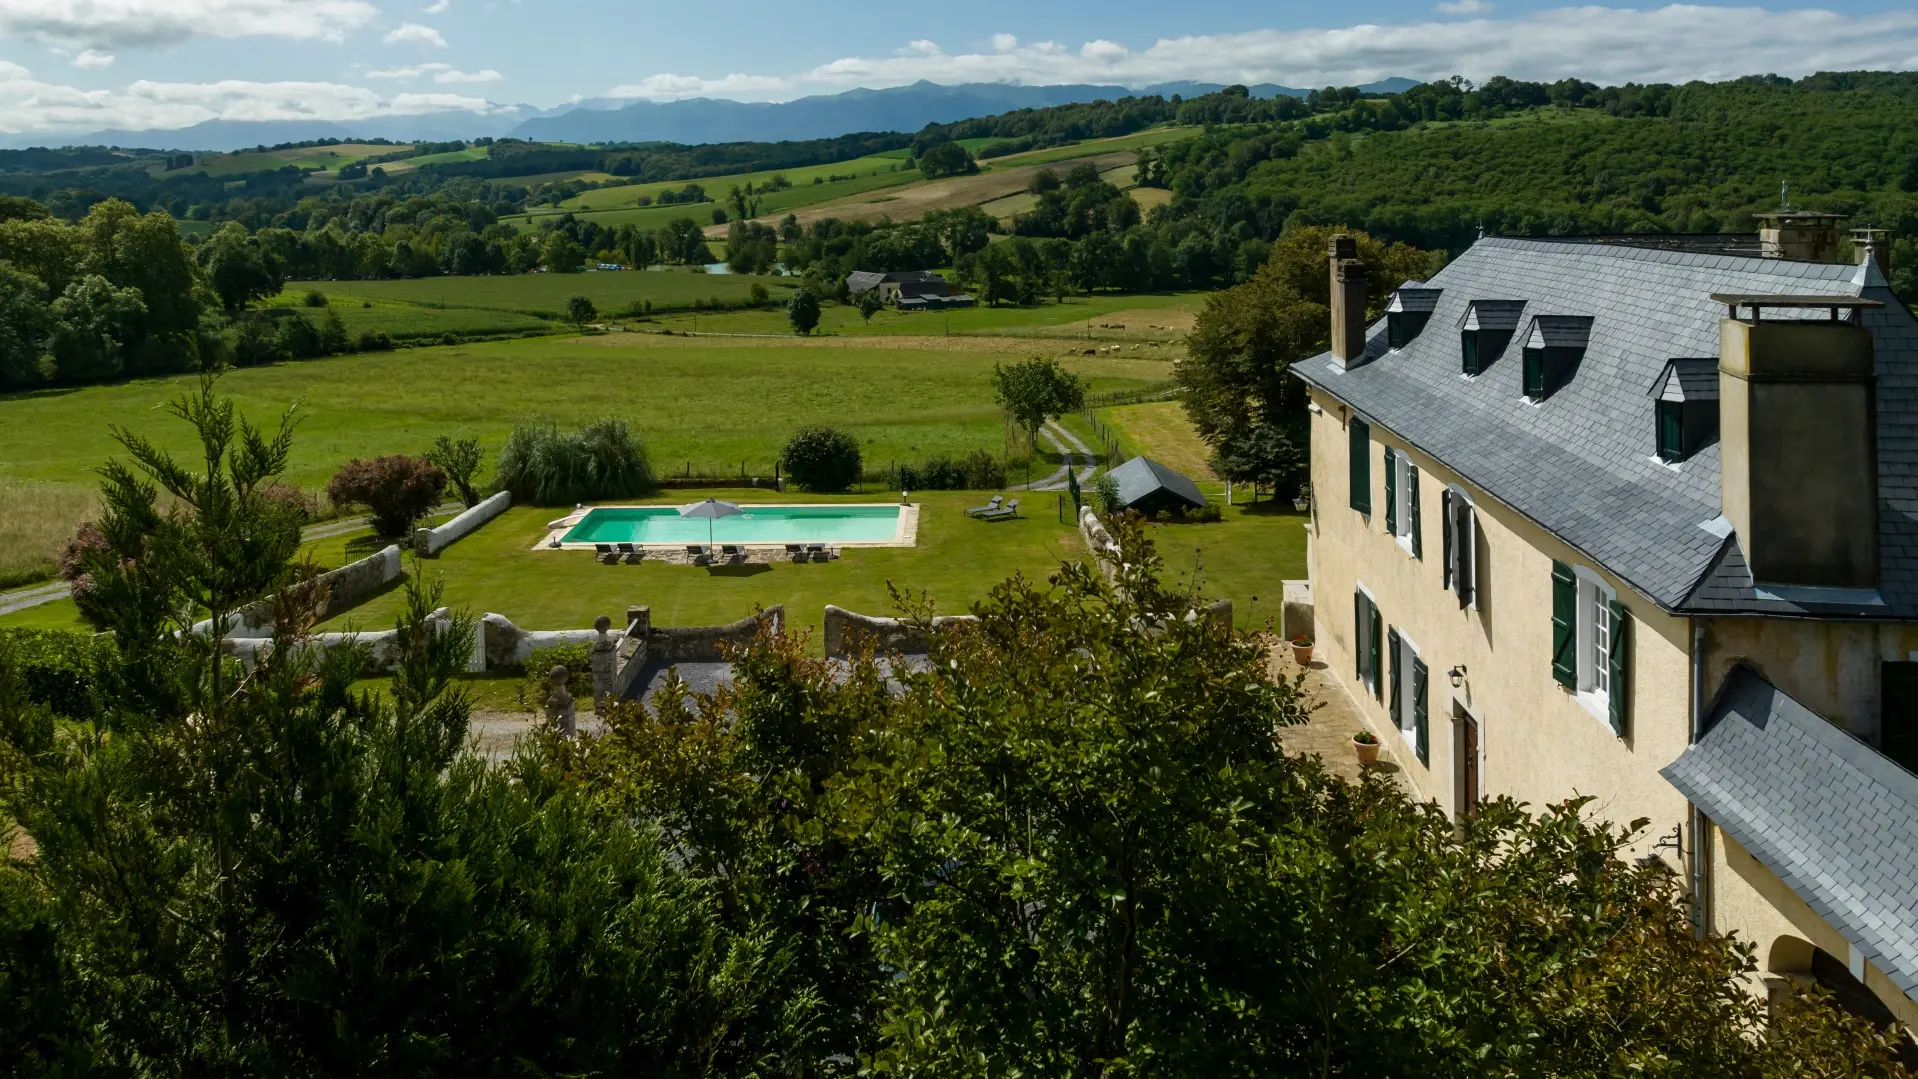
{"points": [[542, 295], [406, 321], [1162, 318], [716, 186], [711, 405], [329, 158], [772, 203]]}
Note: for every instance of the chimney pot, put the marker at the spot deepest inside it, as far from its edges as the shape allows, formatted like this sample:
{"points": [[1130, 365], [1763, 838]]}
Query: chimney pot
{"points": [[1799, 235], [1348, 301], [1343, 247]]}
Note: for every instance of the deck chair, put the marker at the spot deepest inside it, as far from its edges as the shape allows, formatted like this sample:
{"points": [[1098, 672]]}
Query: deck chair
{"points": [[818, 552], [990, 506], [630, 554], [699, 553], [1003, 513], [733, 552], [603, 552], [796, 552]]}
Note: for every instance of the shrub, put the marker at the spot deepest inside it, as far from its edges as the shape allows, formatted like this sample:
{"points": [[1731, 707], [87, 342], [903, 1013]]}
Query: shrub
{"points": [[821, 459], [315, 298], [59, 667], [305, 507], [375, 341], [460, 460], [398, 490], [578, 661], [333, 338], [299, 339], [544, 466], [580, 310], [257, 341], [803, 311], [977, 471]]}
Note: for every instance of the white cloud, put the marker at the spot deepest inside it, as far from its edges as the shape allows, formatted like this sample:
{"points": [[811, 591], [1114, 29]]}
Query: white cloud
{"points": [[1004, 43], [28, 105], [442, 73], [413, 33], [1464, 7], [667, 87], [438, 7], [119, 24], [93, 59], [1675, 43]]}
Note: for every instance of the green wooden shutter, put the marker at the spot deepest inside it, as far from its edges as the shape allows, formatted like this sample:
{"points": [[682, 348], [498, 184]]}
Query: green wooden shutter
{"points": [[1620, 669], [1412, 507], [1564, 632], [1360, 434], [1378, 624], [1396, 650], [1358, 634], [1445, 527], [1391, 495], [1420, 679], [1466, 531]]}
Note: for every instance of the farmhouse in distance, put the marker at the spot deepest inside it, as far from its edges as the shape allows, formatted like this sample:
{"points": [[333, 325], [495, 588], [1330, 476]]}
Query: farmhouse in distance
{"points": [[907, 290]]}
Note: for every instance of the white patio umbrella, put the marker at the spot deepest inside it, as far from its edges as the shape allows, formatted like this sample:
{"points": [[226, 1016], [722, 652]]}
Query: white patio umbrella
{"points": [[712, 509]]}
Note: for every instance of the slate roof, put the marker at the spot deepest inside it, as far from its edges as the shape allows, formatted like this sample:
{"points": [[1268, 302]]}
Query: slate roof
{"points": [[1583, 463], [861, 280], [1834, 819], [1687, 378], [1142, 476]]}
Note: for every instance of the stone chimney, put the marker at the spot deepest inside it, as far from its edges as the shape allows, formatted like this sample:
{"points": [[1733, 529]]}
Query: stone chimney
{"points": [[1798, 440], [1348, 301], [1872, 245], [1799, 235]]}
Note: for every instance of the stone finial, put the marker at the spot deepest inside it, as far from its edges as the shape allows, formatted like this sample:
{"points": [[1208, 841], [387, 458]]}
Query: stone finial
{"points": [[559, 703], [605, 661]]}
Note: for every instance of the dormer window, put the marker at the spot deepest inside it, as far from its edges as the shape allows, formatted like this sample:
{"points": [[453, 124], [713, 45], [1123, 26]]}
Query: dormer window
{"points": [[1554, 345], [1485, 331], [1407, 312], [1684, 407]]}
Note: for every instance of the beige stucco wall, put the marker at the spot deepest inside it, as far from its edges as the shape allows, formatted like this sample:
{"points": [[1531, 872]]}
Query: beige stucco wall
{"points": [[1750, 901], [1829, 667], [1538, 743]]}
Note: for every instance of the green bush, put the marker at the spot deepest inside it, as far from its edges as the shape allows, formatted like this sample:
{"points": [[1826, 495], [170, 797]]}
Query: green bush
{"points": [[59, 667], [576, 658], [977, 471], [821, 459], [315, 298], [544, 466], [375, 340]]}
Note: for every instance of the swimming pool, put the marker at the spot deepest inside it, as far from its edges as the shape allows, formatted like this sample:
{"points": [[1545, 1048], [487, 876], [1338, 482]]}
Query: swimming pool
{"points": [[662, 525]]}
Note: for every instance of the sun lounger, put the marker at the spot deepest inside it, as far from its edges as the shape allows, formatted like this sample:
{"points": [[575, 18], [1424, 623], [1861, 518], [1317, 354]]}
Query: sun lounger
{"points": [[1003, 513], [698, 553], [990, 506], [818, 552], [796, 552], [603, 552], [630, 553], [733, 552]]}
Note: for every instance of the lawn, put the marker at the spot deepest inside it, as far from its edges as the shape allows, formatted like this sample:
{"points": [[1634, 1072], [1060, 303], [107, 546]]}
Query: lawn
{"points": [[544, 295]]}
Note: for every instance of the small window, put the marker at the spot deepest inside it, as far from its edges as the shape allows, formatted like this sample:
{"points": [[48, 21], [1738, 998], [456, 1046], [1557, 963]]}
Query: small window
{"points": [[1535, 373], [1590, 643], [1671, 431], [1366, 639], [1898, 714], [1402, 512], [1461, 547], [1468, 346], [1407, 703], [1395, 334]]}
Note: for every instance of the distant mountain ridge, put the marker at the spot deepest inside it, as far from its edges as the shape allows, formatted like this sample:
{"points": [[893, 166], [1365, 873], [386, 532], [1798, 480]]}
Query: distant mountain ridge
{"points": [[898, 108], [691, 121]]}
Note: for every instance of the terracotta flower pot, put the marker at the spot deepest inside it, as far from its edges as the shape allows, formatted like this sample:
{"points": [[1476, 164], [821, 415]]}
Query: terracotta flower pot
{"points": [[1302, 654], [1368, 751]]}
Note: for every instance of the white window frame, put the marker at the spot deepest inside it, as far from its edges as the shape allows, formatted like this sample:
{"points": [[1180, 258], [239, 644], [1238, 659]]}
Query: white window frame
{"points": [[1593, 630], [1376, 677], [1408, 698], [1404, 475], [1464, 547]]}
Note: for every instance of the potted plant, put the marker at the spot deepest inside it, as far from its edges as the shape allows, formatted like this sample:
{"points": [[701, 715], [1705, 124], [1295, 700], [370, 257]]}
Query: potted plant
{"points": [[1302, 650], [1304, 501], [1366, 745]]}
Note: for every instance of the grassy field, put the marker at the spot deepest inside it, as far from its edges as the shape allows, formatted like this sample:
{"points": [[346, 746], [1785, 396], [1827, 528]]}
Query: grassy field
{"points": [[471, 153], [542, 295], [404, 321], [771, 205], [1097, 320], [35, 519], [716, 186], [715, 405], [328, 158]]}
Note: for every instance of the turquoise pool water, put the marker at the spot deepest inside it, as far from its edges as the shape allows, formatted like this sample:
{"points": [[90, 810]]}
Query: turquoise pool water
{"points": [[757, 524]]}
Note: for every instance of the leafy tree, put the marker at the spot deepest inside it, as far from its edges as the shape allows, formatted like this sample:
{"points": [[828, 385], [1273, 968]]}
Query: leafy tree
{"points": [[239, 269], [1263, 456], [559, 253], [397, 489], [1033, 391], [145, 252], [1240, 351], [299, 338], [947, 159], [803, 311], [821, 459], [682, 242], [333, 337], [92, 321], [460, 460], [870, 304], [25, 322], [580, 310]]}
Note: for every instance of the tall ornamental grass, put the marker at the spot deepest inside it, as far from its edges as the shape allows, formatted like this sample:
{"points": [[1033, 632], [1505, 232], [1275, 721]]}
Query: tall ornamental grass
{"points": [[545, 466]]}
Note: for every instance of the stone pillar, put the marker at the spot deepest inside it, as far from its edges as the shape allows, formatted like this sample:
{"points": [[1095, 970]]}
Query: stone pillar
{"points": [[605, 661], [559, 703]]}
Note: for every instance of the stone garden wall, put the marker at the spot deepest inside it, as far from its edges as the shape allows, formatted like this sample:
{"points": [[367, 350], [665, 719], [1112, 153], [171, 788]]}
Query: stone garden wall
{"points": [[345, 588], [848, 634], [431, 541]]}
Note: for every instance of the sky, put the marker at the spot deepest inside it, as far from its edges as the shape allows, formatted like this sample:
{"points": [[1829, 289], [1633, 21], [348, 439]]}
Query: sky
{"points": [[74, 66]]}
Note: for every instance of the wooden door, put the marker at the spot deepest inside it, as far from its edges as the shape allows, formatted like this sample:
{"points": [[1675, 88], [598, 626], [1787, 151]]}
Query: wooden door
{"points": [[1466, 760]]}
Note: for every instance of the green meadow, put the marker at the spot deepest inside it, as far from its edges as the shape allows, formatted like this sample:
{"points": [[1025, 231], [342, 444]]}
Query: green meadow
{"points": [[542, 295]]}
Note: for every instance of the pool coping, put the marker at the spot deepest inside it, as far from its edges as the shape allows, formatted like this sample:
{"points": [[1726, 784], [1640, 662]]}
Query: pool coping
{"points": [[906, 536]]}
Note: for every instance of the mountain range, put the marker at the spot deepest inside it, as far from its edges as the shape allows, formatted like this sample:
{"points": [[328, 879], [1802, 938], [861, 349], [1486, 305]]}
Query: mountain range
{"points": [[691, 121]]}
